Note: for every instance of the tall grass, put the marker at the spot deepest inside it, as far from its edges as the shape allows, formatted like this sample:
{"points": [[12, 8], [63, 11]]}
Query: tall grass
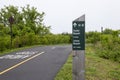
{"points": [[96, 68]]}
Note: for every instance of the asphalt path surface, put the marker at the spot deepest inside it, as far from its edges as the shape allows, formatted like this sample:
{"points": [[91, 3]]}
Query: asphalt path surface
{"points": [[38, 63]]}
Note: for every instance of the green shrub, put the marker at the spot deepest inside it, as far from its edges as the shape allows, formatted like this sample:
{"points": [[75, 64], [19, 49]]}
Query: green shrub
{"points": [[109, 47], [7, 42], [2, 44], [93, 37], [17, 42]]}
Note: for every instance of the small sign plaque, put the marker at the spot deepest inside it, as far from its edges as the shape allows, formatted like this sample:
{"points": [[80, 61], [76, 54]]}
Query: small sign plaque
{"points": [[78, 33]]}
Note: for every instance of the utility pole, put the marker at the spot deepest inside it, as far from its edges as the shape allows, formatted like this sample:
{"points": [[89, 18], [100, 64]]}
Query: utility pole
{"points": [[78, 46], [11, 21]]}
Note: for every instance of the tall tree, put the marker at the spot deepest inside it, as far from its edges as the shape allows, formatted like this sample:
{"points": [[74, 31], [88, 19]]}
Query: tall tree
{"points": [[33, 19], [6, 12], [25, 21]]}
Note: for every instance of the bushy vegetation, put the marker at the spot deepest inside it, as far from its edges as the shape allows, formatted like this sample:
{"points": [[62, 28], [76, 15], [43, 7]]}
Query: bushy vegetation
{"points": [[28, 28], [96, 68], [107, 43]]}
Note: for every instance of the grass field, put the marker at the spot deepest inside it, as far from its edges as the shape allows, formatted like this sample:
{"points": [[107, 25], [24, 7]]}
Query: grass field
{"points": [[96, 68]]}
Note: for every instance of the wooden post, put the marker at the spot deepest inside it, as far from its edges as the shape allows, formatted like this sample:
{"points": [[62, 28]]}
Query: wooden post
{"points": [[79, 65], [11, 21]]}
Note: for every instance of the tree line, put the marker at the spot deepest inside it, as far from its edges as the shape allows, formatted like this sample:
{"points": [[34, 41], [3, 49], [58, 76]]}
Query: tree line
{"points": [[106, 43], [28, 28]]}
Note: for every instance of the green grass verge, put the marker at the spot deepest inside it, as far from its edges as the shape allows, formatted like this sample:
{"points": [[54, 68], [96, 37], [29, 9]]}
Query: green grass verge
{"points": [[96, 68], [66, 71]]}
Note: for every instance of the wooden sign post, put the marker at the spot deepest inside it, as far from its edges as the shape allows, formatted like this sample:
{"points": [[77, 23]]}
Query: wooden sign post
{"points": [[78, 46], [11, 21]]}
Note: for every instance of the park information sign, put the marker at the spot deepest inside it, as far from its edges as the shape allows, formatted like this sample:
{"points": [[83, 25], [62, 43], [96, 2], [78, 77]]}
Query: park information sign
{"points": [[78, 45], [78, 31]]}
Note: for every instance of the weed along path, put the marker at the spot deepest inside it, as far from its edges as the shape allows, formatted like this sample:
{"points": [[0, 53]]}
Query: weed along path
{"points": [[96, 67], [39, 63]]}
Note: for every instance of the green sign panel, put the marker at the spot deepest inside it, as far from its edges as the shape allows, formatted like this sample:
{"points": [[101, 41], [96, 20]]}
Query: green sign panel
{"points": [[78, 33]]}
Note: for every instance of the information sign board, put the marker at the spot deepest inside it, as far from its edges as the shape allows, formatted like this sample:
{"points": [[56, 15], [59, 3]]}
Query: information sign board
{"points": [[78, 32]]}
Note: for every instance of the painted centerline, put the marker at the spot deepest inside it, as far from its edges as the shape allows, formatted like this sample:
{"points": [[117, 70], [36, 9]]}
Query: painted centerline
{"points": [[6, 70]]}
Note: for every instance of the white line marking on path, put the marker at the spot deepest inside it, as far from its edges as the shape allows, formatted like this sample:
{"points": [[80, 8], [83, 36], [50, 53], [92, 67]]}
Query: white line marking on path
{"points": [[6, 70], [19, 55], [53, 47]]}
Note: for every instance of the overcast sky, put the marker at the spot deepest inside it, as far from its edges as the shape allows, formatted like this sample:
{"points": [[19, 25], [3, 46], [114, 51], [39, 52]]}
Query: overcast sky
{"points": [[61, 13]]}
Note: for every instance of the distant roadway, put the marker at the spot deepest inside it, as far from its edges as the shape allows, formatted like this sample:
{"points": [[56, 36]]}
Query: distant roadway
{"points": [[38, 63]]}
